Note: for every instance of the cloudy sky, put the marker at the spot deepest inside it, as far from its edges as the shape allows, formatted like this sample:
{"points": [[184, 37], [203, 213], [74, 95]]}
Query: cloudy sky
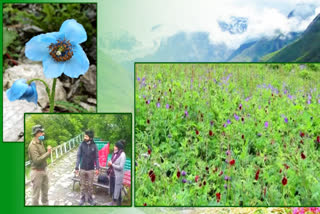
{"points": [[138, 27]]}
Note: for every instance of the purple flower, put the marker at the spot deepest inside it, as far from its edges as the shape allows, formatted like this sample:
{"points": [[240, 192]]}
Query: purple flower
{"points": [[259, 134], [211, 122], [224, 125], [309, 101], [143, 79], [144, 96], [158, 105], [167, 106], [286, 120], [228, 152], [186, 113], [183, 173], [236, 117], [138, 78], [148, 101], [225, 186], [228, 121], [319, 101], [184, 181], [266, 124], [226, 177]]}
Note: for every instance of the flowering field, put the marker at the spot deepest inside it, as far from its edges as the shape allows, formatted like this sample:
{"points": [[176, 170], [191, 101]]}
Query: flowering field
{"points": [[227, 135]]}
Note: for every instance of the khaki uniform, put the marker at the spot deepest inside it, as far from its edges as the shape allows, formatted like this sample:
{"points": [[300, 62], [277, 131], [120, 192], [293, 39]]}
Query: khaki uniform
{"points": [[39, 178]]}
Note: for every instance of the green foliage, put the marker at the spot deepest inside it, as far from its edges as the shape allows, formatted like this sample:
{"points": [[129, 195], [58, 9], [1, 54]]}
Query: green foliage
{"points": [[8, 38], [72, 107], [60, 128], [268, 93]]}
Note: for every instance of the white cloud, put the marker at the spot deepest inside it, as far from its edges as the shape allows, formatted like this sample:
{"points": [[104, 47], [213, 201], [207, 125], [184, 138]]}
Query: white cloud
{"points": [[265, 17]]}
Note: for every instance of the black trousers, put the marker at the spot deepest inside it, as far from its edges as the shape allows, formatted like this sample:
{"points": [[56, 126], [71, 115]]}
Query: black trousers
{"points": [[112, 187]]}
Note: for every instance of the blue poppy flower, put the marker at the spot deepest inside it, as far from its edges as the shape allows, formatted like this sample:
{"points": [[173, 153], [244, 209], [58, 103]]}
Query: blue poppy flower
{"points": [[60, 52], [20, 90]]}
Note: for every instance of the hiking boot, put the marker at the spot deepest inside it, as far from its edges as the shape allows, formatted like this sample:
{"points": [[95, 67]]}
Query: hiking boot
{"points": [[82, 201], [92, 202]]}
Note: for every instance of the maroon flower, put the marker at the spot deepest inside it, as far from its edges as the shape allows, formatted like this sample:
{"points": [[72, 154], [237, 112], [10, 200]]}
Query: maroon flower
{"points": [[170, 89], [318, 139], [178, 174], [149, 151], [284, 181], [301, 134], [152, 176], [301, 141], [218, 196], [204, 183], [221, 173], [148, 121], [286, 166], [197, 132], [159, 99], [232, 162], [207, 168], [196, 178], [145, 204], [200, 184], [257, 174], [280, 171], [303, 155], [210, 133], [242, 136]]}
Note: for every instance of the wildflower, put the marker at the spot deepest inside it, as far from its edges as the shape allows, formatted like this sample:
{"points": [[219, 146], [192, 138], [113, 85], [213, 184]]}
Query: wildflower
{"points": [[226, 178], [145, 204], [242, 136], [225, 186], [184, 173], [210, 133], [284, 181], [301, 134], [167, 106], [184, 181], [196, 178], [220, 173], [228, 121], [204, 183], [149, 151], [178, 174], [20, 90], [286, 120], [218, 196], [242, 119], [318, 139], [240, 106], [232, 162], [158, 105], [152, 176], [286, 166], [266, 124], [303, 156], [257, 174], [186, 113], [148, 102], [138, 78], [60, 52], [197, 132], [211, 123], [148, 121], [236, 117], [228, 152]]}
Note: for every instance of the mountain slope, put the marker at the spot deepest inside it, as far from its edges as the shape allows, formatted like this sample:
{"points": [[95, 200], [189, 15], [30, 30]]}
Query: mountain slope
{"points": [[304, 49], [254, 51]]}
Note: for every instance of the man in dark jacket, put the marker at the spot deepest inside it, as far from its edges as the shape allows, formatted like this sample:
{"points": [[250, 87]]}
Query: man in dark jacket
{"points": [[88, 159]]}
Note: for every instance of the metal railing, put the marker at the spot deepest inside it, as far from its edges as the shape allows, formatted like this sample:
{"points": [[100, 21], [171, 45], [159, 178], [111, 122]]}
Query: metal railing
{"points": [[60, 150]]}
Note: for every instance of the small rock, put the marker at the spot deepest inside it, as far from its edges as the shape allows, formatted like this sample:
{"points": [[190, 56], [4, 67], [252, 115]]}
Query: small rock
{"points": [[89, 80], [87, 106], [92, 101]]}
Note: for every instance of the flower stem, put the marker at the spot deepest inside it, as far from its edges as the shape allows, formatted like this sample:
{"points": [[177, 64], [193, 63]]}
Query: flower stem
{"points": [[53, 92], [44, 83]]}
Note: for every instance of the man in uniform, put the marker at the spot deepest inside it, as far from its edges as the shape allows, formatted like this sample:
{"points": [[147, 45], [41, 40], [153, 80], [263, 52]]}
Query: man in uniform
{"points": [[38, 157], [88, 159]]}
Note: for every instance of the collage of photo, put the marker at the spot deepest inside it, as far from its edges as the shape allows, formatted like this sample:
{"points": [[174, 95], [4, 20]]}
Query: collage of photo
{"points": [[120, 113]]}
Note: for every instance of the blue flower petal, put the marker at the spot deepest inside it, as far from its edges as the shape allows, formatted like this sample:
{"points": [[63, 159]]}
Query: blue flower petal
{"points": [[51, 68], [78, 64], [31, 94], [18, 88], [73, 31], [38, 47]]}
